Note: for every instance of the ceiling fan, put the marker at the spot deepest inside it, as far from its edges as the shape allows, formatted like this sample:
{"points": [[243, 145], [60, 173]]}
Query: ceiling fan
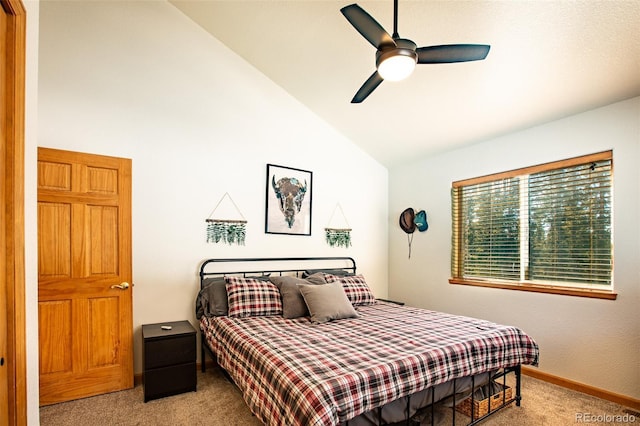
{"points": [[396, 57]]}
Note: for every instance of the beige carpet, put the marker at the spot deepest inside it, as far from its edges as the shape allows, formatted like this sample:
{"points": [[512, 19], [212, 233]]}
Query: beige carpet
{"points": [[218, 402]]}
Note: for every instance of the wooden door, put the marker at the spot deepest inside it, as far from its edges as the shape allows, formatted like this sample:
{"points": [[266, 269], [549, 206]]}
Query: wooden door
{"points": [[84, 271]]}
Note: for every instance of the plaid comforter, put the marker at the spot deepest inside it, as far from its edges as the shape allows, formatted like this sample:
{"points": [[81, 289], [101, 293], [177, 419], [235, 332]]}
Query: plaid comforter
{"points": [[293, 372]]}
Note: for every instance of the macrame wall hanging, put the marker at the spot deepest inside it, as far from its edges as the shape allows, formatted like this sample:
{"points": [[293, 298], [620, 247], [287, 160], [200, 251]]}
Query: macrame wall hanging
{"points": [[338, 236], [229, 231]]}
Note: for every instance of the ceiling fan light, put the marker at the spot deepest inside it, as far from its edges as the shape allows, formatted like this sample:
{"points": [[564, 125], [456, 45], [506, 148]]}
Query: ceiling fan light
{"points": [[397, 66]]}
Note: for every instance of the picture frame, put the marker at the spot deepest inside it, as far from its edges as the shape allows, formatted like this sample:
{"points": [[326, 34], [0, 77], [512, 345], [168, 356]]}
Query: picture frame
{"points": [[288, 200]]}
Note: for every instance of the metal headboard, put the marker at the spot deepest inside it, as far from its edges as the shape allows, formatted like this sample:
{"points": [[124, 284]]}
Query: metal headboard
{"points": [[273, 265]]}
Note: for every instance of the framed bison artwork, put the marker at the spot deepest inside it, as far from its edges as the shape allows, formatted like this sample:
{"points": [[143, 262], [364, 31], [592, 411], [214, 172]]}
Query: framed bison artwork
{"points": [[288, 208]]}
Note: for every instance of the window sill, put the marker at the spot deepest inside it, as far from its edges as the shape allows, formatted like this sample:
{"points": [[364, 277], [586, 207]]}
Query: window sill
{"points": [[566, 291]]}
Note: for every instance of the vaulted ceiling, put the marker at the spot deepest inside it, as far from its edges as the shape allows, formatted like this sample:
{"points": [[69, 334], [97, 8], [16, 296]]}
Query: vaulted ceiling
{"points": [[548, 60]]}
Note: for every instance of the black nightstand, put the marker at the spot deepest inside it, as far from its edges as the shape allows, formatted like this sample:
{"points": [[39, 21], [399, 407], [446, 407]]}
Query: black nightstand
{"points": [[169, 358]]}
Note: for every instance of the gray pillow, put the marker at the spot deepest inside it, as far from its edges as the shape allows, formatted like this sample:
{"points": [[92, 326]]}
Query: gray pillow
{"points": [[327, 302], [293, 305], [338, 272], [264, 277], [317, 278], [212, 298]]}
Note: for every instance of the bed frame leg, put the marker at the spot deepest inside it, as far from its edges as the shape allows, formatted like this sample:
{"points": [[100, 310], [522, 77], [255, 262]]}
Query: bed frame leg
{"points": [[453, 405], [202, 359], [518, 371], [433, 403], [473, 396]]}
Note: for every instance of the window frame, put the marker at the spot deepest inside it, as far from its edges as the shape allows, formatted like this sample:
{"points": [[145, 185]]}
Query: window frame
{"points": [[560, 288]]}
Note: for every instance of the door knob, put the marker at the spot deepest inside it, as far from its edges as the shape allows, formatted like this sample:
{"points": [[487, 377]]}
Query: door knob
{"points": [[121, 286]]}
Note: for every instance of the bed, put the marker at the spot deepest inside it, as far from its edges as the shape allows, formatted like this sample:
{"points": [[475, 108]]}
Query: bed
{"points": [[364, 362]]}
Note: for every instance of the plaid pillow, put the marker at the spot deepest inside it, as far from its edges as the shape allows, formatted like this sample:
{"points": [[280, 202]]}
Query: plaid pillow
{"points": [[249, 297], [356, 289]]}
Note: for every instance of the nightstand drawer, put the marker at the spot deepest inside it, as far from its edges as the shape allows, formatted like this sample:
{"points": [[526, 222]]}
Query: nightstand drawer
{"points": [[166, 381], [169, 351]]}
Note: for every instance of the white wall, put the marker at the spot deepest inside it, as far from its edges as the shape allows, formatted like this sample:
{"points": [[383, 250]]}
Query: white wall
{"points": [[595, 342], [139, 80]]}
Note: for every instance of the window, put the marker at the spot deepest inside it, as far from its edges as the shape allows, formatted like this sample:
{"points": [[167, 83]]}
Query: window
{"points": [[543, 228]]}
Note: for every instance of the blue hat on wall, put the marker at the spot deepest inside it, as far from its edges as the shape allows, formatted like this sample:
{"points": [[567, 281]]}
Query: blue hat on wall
{"points": [[421, 221]]}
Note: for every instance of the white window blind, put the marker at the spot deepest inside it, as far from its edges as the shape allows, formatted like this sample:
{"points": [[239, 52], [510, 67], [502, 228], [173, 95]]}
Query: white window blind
{"points": [[548, 224]]}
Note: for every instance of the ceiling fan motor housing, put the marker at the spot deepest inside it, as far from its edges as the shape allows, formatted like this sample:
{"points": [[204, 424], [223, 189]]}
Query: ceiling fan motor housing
{"points": [[404, 47]]}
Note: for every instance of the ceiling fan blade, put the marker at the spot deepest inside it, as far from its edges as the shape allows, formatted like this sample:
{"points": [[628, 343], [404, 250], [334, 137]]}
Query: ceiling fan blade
{"points": [[452, 53], [368, 87], [367, 26]]}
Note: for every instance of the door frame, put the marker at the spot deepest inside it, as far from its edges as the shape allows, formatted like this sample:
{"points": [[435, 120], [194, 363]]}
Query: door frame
{"points": [[13, 201]]}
